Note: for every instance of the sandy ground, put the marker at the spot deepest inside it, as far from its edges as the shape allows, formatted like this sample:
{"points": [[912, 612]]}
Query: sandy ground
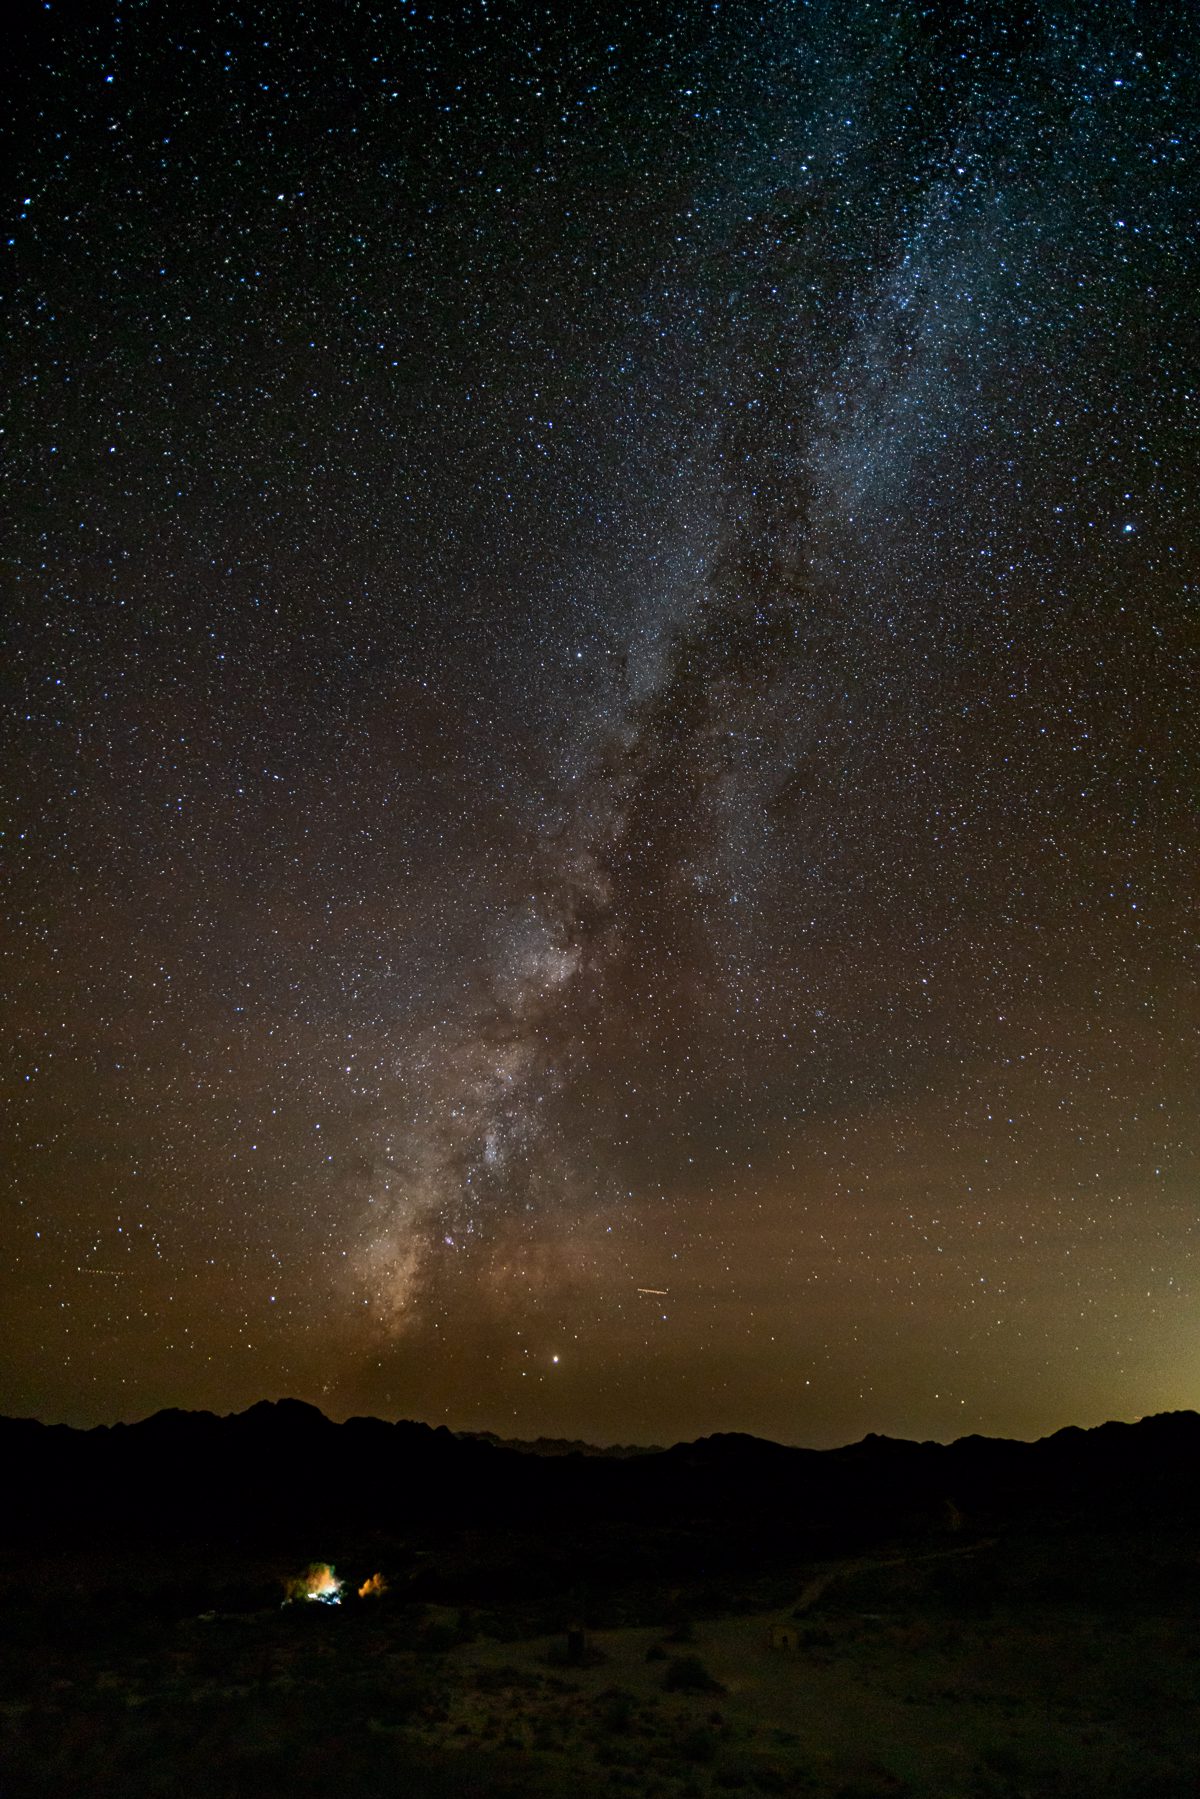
{"points": [[867, 1701]]}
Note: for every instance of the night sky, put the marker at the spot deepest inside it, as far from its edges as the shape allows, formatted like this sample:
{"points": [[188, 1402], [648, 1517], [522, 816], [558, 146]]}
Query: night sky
{"points": [[600, 714]]}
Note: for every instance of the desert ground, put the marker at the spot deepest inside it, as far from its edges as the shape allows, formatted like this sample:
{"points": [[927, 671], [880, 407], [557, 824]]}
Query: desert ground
{"points": [[978, 1670]]}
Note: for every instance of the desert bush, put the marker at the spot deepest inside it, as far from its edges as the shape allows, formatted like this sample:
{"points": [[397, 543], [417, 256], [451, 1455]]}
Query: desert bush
{"points": [[497, 1680], [871, 1786], [615, 1710], [1002, 1769], [500, 1626], [698, 1745], [558, 1656], [687, 1674]]}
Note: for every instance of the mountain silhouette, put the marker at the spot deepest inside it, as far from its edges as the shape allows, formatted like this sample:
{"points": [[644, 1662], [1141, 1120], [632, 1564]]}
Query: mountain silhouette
{"points": [[283, 1465]]}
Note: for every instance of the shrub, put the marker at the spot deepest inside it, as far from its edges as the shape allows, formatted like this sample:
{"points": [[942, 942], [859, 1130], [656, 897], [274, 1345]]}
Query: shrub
{"points": [[687, 1674], [498, 1680], [616, 1710], [698, 1746]]}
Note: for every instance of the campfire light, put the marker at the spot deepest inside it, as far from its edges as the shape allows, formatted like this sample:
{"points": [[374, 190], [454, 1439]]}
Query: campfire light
{"points": [[318, 1582], [375, 1588]]}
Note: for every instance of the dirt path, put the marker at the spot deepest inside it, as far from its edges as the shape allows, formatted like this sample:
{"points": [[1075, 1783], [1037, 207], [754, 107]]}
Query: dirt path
{"points": [[812, 1589]]}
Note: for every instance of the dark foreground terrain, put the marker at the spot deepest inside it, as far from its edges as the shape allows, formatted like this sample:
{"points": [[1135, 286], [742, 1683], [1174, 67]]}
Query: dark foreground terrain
{"points": [[983, 1620]]}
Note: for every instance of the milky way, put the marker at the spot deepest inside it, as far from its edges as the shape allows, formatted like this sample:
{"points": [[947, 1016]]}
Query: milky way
{"points": [[602, 733]]}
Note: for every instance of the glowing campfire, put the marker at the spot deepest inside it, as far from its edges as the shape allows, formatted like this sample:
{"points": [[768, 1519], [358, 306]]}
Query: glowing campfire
{"points": [[317, 1582], [374, 1588]]}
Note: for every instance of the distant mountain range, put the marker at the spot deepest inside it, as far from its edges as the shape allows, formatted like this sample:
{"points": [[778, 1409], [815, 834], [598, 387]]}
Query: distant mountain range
{"points": [[283, 1464], [558, 1445]]}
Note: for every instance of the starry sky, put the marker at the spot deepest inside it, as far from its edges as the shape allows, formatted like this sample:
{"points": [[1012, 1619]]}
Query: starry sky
{"points": [[601, 726]]}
